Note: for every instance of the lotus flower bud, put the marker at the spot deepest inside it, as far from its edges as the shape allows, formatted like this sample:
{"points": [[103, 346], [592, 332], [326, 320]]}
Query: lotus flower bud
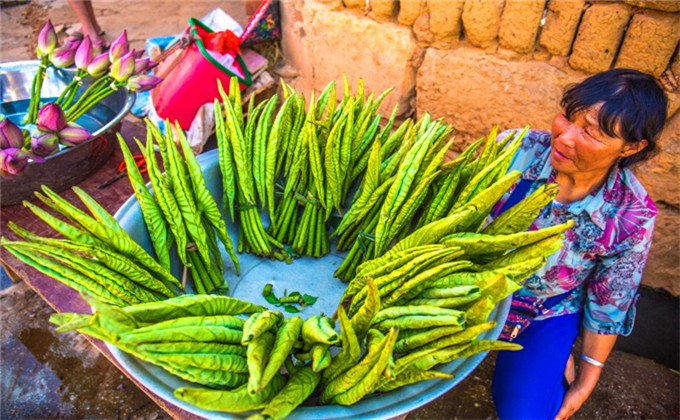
{"points": [[152, 65], [47, 39], [123, 68], [99, 65], [138, 53], [83, 55], [51, 118], [97, 48], [12, 161], [143, 82], [119, 47], [10, 135], [141, 65], [63, 56], [45, 144], [73, 134], [73, 40]]}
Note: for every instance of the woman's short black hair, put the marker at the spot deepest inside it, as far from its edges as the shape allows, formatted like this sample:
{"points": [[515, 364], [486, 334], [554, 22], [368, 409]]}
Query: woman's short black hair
{"points": [[633, 107]]}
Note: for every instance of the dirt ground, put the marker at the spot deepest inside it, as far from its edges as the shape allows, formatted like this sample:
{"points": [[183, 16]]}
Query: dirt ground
{"points": [[50, 375]]}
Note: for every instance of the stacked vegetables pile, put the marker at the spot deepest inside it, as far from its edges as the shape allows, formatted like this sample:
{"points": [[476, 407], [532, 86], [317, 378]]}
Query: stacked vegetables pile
{"points": [[316, 154], [398, 178], [97, 256], [425, 269], [423, 185], [181, 209], [196, 337]]}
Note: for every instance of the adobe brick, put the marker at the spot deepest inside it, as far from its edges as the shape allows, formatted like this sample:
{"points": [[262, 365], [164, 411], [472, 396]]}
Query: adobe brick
{"points": [[382, 9], [599, 36], [480, 20], [519, 24], [663, 5], [445, 20], [560, 26], [408, 11], [649, 42]]}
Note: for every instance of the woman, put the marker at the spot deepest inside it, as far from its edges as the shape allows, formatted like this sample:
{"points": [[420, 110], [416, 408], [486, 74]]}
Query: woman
{"points": [[608, 122]]}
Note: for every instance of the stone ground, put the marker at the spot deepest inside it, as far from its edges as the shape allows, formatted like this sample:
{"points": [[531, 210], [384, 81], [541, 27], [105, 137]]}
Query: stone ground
{"points": [[50, 375]]}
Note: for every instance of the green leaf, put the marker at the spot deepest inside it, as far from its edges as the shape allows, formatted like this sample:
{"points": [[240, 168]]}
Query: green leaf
{"points": [[309, 300], [290, 308], [272, 300], [295, 294]]}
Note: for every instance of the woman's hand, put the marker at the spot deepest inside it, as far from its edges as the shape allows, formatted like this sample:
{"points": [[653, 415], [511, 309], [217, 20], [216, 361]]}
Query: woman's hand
{"points": [[597, 347], [573, 400]]}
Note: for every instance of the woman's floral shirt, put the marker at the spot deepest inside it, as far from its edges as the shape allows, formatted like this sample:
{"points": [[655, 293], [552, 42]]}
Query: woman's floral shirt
{"points": [[600, 266]]}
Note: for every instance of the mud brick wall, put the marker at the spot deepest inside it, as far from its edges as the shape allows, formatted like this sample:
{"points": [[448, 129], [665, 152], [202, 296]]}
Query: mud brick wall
{"points": [[483, 62]]}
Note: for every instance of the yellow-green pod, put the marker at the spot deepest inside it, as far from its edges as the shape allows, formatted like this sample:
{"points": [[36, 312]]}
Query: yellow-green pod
{"points": [[236, 401], [321, 357], [300, 386], [319, 329], [410, 377], [260, 322], [258, 354], [286, 337], [368, 383]]}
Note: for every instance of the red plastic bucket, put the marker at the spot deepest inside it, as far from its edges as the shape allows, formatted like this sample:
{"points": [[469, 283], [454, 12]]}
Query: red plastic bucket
{"points": [[190, 80]]}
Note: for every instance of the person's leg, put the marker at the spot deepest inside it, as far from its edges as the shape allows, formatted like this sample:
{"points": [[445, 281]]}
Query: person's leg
{"points": [[85, 15], [529, 383], [93, 18]]}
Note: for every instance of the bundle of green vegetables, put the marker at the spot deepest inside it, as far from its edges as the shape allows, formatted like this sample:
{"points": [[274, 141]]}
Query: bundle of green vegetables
{"points": [[310, 158], [181, 209], [97, 256], [196, 337]]}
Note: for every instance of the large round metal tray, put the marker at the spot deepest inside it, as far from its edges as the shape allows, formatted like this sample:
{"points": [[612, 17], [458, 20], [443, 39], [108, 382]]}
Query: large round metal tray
{"points": [[306, 275], [70, 165]]}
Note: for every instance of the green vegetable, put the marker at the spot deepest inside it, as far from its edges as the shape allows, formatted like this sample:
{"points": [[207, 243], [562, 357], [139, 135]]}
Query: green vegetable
{"points": [[260, 322], [369, 382], [300, 386], [286, 337], [191, 305], [258, 355], [410, 377], [349, 353], [319, 329], [236, 401]]}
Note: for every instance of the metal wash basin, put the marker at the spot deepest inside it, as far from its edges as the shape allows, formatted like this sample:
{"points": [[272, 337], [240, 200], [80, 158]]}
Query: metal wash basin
{"points": [[70, 165]]}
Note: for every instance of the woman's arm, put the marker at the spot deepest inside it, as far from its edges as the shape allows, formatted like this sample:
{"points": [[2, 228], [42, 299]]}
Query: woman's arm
{"points": [[595, 346]]}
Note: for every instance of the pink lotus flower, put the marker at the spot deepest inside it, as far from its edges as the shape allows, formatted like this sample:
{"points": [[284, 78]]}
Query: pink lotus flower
{"points": [[99, 65], [73, 134], [119, 47], [51, 118], [12, 161], [84, 55], [123, 68], [73, 40], [138, 53], [10, 135], [141, 65], [47, 39], [63, 56], [45, 144], [152, 65], [97, 48], [143, 82]]}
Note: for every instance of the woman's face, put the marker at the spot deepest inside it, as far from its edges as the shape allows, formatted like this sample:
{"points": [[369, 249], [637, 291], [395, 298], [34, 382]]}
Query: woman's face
{"points": [[579, 146]]}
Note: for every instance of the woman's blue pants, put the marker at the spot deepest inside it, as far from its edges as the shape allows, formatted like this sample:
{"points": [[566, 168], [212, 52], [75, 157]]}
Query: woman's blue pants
{"points": [[529, 383]]}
